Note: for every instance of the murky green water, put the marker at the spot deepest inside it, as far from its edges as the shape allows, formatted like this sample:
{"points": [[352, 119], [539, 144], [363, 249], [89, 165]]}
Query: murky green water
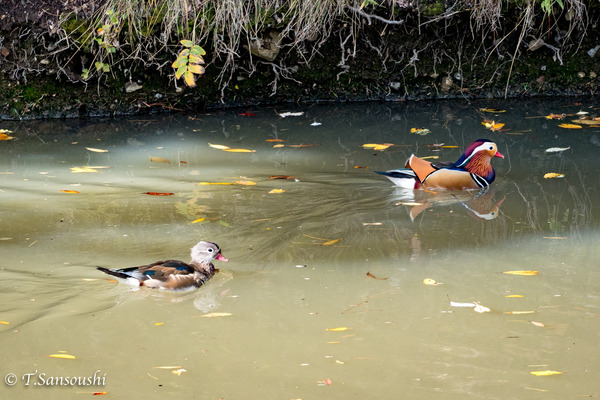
{"points": [[282, 287]]}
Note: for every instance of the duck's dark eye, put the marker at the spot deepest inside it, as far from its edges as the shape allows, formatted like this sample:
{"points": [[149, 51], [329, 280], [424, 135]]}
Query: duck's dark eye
{"points": [[210, 250], [491, 147]]}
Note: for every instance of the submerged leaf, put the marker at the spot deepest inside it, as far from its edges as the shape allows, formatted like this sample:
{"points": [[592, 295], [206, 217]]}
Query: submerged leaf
{"points": [[330, 242], [522, 272], [160, 160], [216, 314], [557, 149]]}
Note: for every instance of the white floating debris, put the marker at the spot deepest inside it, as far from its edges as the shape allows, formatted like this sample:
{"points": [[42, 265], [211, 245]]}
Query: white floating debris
{"points": [[291, 114], [316, 124], [557, 149]]}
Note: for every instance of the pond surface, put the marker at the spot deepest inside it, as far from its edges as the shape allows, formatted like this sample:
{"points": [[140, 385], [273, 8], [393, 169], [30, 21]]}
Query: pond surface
{"points": [[264, 326]]}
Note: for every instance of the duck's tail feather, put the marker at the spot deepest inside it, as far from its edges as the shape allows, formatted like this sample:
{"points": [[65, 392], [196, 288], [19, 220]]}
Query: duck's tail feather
{"points": [[405, 178]]}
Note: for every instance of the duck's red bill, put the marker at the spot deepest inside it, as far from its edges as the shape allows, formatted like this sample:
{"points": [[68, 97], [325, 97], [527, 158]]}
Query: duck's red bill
{"points": [[221, 258], [498, 154]]}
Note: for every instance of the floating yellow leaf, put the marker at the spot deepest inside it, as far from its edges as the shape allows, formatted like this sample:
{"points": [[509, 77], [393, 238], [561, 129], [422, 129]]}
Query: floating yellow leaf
{"points": [[431, 282], [215, 183], [447, 147], [339, 329], [429, 157], [515, 295], [545, 373], [359, 167], [376, 146], [522, 272], [4, 322], [96, 150], [178, 371], [218, 146], [245, 183], [570, 126], [198, 220], [4, 136], [158, 323], [240, 150], [69, 191], [330, 242], [277, 191], [160, 160], [64, 356], [278, 145], [420, 131], [408, 203], [491, 110], [82, 169], [169, 367], [216, 314], [551, 175], [492, 125]]}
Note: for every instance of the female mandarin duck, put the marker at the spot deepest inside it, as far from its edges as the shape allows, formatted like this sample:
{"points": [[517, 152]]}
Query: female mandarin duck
{"points": [[472, 170], [174, 274]]}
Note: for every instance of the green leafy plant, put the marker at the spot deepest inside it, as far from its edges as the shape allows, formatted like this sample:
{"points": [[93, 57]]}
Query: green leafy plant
{"points": [[548, 4], [189, 63]]}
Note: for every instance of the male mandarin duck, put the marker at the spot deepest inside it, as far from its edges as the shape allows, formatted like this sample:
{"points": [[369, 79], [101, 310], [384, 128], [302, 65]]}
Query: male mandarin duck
{"points": [[472, 170], [174, 274]]}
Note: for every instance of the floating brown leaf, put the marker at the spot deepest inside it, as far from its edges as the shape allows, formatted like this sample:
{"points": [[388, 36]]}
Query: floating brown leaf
{"points": [[273, 177], [370, 275], [158, 193]]}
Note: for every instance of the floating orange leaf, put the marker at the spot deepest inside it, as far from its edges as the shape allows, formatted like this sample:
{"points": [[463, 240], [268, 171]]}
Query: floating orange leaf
{"points": [[239, 150], [370, 275], [160, 160], [245, 183], [69, 191], [521, 272], [518, 312], [545, 373], [215, 183], [570, 126], [63, 356], [4, 136], [277, 191], [551, 175], [99, 393], [158, 193], [274, 140], [555, 116], [339, 329]]}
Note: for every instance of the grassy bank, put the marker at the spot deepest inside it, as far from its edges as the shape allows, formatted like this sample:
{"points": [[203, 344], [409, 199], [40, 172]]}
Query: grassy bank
{"points": [[111, 57]]}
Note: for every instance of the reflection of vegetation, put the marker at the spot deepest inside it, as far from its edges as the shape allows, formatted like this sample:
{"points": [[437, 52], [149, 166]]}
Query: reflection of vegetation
{"points": [[556, 222]]}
